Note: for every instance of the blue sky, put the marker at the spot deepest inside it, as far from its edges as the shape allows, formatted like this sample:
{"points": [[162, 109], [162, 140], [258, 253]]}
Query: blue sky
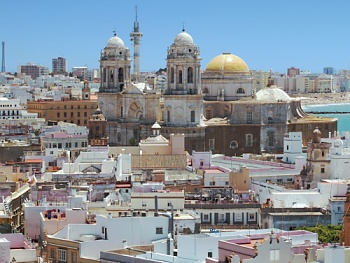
{"points": [[273, 34]]}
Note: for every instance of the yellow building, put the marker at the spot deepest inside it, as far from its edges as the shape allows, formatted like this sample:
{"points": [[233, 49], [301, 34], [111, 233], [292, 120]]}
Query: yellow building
{"points": [[73, 111]]}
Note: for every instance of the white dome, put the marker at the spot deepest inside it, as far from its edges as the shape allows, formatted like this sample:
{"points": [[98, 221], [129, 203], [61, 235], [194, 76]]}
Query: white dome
{"points": [[183, 38], [272, 94], [115, 42]]}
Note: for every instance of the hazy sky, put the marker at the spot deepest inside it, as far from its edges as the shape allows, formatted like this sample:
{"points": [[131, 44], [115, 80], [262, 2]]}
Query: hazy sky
{"points": [[308, 34]]}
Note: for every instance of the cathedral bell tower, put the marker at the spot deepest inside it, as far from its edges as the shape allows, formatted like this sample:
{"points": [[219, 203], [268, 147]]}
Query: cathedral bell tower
{"points": [[183, 64], [183, 101], [115, 64]]}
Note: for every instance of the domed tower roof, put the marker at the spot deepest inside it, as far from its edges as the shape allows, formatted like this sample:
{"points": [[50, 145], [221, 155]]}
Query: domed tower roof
{"points": [[227, 63], [316, 136], [115, 42], [272, 93], [183, 39]]}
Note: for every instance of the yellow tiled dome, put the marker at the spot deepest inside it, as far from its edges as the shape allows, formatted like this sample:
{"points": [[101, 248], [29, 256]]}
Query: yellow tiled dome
{"points": [[227, 63]]}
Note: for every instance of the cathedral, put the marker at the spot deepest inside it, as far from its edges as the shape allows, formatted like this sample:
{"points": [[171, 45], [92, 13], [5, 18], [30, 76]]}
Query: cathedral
{"points": [[216, 109]]}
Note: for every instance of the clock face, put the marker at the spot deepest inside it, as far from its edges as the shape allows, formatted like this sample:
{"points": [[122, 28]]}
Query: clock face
{"points": [[179, 111]]}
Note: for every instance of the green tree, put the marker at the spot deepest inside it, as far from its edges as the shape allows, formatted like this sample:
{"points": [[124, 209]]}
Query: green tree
{"points": [[133, 142], [326, 234]]}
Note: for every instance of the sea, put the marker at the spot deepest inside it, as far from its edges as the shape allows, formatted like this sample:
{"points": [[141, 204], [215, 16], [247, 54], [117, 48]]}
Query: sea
{"points": [[343, 119]]}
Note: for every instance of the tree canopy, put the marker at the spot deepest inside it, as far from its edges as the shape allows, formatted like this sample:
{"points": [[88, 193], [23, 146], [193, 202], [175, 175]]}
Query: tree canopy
{"points": [[326, 233]]}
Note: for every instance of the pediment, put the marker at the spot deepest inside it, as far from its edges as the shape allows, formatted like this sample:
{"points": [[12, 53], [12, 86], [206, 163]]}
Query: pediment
{"points": [[132, 89]]}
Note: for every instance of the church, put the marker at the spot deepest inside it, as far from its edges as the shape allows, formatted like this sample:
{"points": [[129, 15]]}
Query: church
{"points": [[216, 109]]}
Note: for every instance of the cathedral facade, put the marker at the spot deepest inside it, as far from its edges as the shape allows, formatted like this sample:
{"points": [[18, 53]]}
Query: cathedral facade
{"points": [[216, 109]]}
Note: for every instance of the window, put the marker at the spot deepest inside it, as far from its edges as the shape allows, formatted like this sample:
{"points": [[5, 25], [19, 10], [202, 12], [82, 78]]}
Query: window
{"points": [[58, 114], [52, 253], [208, 114], [59, 145], [170, 204], [322, 170], [144, 204], [85, 114], [274, 255], [238, 217], [205, 217], [193, 116], [249, 117], [212, 183], [249, 140], [190, 75], [271, 140], [65, 114], [180, 76], [159, 230], [210, 254], [168, 116], [62, 255], [78, 114], [72, 114], [121, 112], [211, 144], [76, 145], [240, 91], [74, 257], [172, 75], [251, 217], [233, 145], [279, 180]]}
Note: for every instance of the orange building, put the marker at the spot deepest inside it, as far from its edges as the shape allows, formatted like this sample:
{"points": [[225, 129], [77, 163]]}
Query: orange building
{"points": [[67, 110]]}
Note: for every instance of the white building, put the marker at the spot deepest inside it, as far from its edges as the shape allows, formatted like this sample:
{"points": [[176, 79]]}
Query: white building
{"points": [[292, 147], [164, 200], [113, 233], [11, 109], [64, 136]]}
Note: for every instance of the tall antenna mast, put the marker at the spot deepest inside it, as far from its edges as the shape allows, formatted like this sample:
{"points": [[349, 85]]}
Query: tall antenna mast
{"points": [[136, 37], [3, 57]]}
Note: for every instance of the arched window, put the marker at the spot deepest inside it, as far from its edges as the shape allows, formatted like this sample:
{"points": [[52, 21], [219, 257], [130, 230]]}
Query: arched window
{"points": [[233, 145], [240, 91], [180, 76], [190, 75], [120, 75], [205, 91], [249, 140], [172, 75], [104, 75], [270, 117], [111, 79], [168, 116]]}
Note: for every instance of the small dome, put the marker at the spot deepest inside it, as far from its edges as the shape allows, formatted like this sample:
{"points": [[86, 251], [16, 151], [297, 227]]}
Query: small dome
{"points": [[272, 94], [156, 126], [316, 136], [115, 42], [183, 39], [227, 63]]}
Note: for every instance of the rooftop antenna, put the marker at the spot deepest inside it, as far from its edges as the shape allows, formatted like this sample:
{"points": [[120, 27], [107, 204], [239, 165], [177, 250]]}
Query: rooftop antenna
{"points": [[3, 57], [135, 36]]}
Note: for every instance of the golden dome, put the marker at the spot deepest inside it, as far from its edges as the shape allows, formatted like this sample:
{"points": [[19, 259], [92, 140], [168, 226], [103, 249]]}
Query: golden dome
{"points": [[227, 63]]}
